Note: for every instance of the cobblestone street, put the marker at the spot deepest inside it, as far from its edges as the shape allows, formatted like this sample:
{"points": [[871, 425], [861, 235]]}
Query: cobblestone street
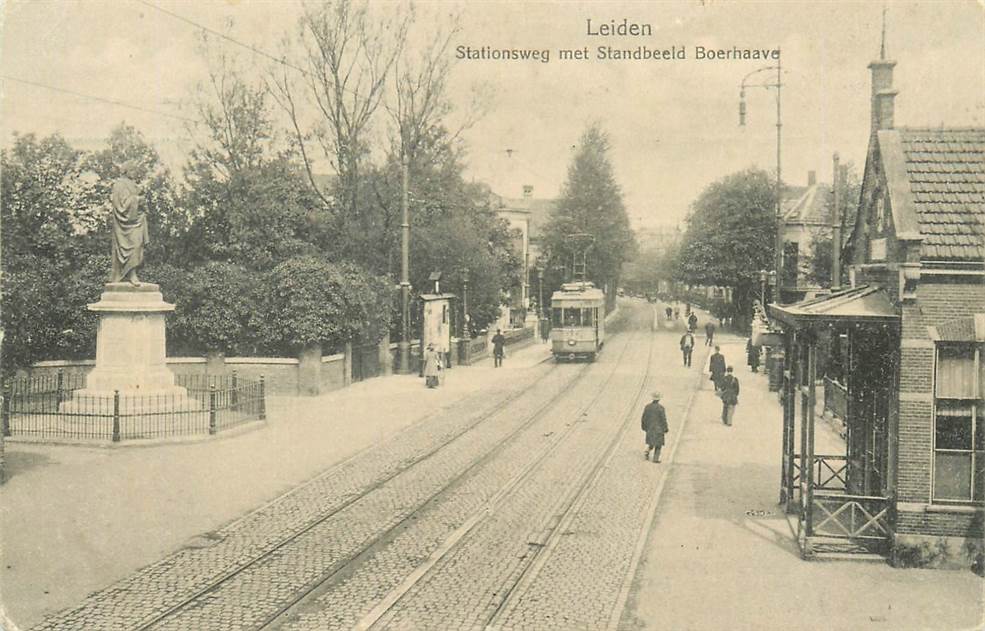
{"points": [[525, 507]]}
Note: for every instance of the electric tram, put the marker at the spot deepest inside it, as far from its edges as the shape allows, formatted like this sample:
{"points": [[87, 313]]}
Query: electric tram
{"points": [[578, 321]]}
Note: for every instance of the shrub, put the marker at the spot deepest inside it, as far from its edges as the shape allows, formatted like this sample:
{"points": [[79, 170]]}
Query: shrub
{"points": [[310, 301]]}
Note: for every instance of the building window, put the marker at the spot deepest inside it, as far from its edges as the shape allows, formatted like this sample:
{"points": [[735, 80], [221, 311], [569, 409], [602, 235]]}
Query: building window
{"points": [[959, 424]]}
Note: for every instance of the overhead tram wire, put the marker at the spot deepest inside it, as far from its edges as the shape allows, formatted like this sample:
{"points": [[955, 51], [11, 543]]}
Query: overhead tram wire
{"points": [[100, 99], [224, 36]]}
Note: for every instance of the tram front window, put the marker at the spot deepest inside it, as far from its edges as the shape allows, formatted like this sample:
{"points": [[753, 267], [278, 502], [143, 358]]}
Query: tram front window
{"points": [[556, 316], [572, 317], [587, 317]]}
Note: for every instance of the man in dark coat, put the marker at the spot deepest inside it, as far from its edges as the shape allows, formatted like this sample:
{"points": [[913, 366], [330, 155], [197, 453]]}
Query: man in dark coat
{"points": [[717, 367], [709, 333], [752, 355], [499, 344], [687, 347], [692, 322], [654, 423], [730, 396]]}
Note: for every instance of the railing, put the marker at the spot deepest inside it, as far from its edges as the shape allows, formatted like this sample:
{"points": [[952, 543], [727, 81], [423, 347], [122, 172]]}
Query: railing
{"points": [[850, 516], [829, 473], [54, 407]]}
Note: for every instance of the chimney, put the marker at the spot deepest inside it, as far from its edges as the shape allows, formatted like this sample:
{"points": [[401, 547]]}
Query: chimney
{"points": [[883, 93], [811, 178], [528, 191]]}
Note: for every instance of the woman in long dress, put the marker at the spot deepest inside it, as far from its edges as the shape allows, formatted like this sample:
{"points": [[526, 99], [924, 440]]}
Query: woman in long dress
{"points": [[432, 367]]}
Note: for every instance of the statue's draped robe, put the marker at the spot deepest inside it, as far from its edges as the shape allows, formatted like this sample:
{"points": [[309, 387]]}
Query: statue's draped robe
{"points": [[129, 229]]}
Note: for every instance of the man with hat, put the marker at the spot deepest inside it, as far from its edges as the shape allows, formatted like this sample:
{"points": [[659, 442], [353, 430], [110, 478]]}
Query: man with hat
{"points": [[655, 425]]}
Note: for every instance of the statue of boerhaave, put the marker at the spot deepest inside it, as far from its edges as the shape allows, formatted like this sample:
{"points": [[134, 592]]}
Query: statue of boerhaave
{"points": [[129, 226]]}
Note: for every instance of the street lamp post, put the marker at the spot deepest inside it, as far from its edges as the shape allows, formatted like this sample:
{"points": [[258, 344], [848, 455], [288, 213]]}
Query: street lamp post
{"points": [[404, 344], [778, 247], [466, 332]]}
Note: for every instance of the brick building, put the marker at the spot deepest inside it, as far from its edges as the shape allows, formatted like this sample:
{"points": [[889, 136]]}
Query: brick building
{"points": [[911, 329]]}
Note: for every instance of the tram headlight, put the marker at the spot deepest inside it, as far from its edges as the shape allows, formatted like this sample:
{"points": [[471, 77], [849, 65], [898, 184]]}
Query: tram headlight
{"points": [[571, 342]]}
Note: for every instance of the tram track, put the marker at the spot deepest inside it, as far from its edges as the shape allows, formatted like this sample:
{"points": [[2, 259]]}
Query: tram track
{"points": [[377, 617], [230, 575], [208, 592], [379, 613], [560, 522]]}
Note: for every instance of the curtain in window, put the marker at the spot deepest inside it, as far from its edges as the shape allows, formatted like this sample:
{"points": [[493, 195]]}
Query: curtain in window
{"points": [[956, 373]]}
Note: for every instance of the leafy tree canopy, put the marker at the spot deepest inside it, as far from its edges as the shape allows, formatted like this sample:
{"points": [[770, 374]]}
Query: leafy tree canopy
{"points": [[591, 203], [730, 231]]}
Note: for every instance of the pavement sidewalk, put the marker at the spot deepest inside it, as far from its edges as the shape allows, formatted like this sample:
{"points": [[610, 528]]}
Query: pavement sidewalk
{"points": [[721, 554], [77, 518]]}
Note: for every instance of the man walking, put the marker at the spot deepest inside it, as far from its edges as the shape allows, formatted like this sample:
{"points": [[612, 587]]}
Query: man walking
{"points": [[717, 367], [730, 396], [692, 322], [499, 344], [654, 423], [709, 333], [687, 347]]}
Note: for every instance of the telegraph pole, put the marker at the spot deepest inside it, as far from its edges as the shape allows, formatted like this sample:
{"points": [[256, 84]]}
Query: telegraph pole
{"points": [[404, 345]]}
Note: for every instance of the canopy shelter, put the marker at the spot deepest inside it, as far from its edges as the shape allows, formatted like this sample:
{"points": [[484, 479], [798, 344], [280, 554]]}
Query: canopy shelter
{"points": [[841, 500]]}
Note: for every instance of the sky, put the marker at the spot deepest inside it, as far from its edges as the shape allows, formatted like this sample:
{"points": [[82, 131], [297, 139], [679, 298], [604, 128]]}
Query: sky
{"points": [[673, 124]]}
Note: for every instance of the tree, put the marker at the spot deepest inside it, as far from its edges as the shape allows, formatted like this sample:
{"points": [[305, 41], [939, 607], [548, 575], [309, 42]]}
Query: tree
{"points": [[591, 204], [310, 301], [246, 196], [730, 235], [54, 202], [346, 55]]}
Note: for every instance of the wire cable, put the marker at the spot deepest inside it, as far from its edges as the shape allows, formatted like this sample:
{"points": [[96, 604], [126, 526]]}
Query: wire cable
{"points": [[101, 99]]}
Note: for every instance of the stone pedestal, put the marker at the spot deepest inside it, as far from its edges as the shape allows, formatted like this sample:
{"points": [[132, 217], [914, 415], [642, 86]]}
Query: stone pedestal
{"points": [[130, 353]]}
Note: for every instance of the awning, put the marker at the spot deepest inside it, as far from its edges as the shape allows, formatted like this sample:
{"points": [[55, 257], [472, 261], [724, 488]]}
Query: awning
{"points": [[970, 329], [857, 305]]}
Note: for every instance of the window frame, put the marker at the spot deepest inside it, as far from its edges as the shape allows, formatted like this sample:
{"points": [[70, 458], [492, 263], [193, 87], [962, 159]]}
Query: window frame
{"points": [[976, 403]]}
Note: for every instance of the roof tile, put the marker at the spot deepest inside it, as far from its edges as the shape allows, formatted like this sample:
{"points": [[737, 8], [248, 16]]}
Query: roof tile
{"points": [[946, 170]]}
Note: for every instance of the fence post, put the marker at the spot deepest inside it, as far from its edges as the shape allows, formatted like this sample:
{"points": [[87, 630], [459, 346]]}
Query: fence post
{"points": [[5, 409], [116, 416], [61, 385], [234, 393], [212, 405], [263, 399]]}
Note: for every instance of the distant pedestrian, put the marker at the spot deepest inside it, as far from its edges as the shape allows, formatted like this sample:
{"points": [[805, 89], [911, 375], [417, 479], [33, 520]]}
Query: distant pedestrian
{"points": [[654, 423], [709, 333], [717, 367], [670, 312], [752, 355], [499, 348], [692, 322], [432, 367], [730, 396], [687, 347], [677, 313]]}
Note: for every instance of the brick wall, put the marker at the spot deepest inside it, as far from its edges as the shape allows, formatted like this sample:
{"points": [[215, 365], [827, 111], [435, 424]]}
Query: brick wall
{"points": [[939, 524], [939, 300]]}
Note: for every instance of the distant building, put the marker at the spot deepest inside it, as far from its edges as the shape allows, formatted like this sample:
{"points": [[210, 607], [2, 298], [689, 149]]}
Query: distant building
{"points": [[806, 218], [528, 215], [910, 330]]}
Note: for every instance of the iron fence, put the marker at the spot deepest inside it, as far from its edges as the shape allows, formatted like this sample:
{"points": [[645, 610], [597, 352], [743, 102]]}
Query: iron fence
{"points": [[58, 407]]}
